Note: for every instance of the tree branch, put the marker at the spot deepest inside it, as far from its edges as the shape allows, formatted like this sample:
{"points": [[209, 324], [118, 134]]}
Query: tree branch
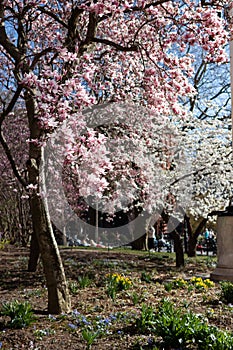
{"points": [[200, 227], [39, 55], [115, 45], [197, 171], [11, 160], [4, 40], [11, 104], [52, 15], [73, 34]]}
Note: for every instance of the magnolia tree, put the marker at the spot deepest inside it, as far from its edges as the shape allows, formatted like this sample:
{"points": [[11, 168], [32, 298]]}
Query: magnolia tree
{"points": [[184, 168], [211, 174], [211, 101], [59, 57]]}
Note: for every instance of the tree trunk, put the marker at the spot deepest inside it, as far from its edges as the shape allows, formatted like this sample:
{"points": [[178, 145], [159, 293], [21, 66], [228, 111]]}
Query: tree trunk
{"points": [[193, 237], [192, 244], [34, 252], [178, 248], [139, 244], [58, 294]]}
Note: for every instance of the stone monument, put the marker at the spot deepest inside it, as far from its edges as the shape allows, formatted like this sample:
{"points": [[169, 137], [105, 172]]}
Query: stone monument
{"points": [[224, 268]]}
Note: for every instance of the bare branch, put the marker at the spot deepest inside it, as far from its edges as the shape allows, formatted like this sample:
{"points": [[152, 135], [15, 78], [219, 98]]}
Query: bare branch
{"points": [[196, 172], [41, 54], [10, 48], [115, 45], [11, 104], [52, 15], [11, 160]]}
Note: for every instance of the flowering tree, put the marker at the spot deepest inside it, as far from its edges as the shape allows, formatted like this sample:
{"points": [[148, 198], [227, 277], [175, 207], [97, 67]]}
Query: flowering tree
{"points": [[58, 57], [213, 142]]}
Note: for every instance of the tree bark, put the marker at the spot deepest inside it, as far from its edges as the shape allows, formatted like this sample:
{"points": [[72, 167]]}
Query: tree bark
{"points": [[34, 253], [139, 244], [193, 237], [58, 294], [178, 248]]}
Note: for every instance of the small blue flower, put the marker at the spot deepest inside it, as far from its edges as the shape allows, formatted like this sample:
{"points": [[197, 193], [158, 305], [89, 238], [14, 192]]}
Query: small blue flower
{"points": [[72, 326], [113, 317], [1, 344], [76, 313], [84, 320], [119, 332], [52, 318], [107, 321], [150, 341]]}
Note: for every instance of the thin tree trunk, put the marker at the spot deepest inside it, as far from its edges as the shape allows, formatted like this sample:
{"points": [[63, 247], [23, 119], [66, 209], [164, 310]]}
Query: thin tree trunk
{"points": [[58, 294], [178, 248], [193, 237], [34, 253], [139, 243]]}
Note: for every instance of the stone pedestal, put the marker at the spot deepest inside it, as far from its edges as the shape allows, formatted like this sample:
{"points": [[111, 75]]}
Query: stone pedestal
{"points": [[224, 269]]}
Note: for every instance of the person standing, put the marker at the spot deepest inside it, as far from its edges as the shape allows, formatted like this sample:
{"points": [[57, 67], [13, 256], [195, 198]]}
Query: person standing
{"points": [[151, 239]]}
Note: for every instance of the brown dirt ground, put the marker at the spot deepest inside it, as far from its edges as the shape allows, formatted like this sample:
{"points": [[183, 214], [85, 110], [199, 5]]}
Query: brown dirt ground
{"points": [[56, 334]]}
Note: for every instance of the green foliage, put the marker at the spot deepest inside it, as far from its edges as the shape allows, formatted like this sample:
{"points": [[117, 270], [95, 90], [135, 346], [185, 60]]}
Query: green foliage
{"points": [[41, 333], [4, 243], [175, 328], [227, 291], [20, 314], [117, 283], [145, 323], [73, 287], [84, 281], [145, 277], [168, 286], [89, 336], [176, 284], [136, 298], [210, 337], [182, 330]]}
